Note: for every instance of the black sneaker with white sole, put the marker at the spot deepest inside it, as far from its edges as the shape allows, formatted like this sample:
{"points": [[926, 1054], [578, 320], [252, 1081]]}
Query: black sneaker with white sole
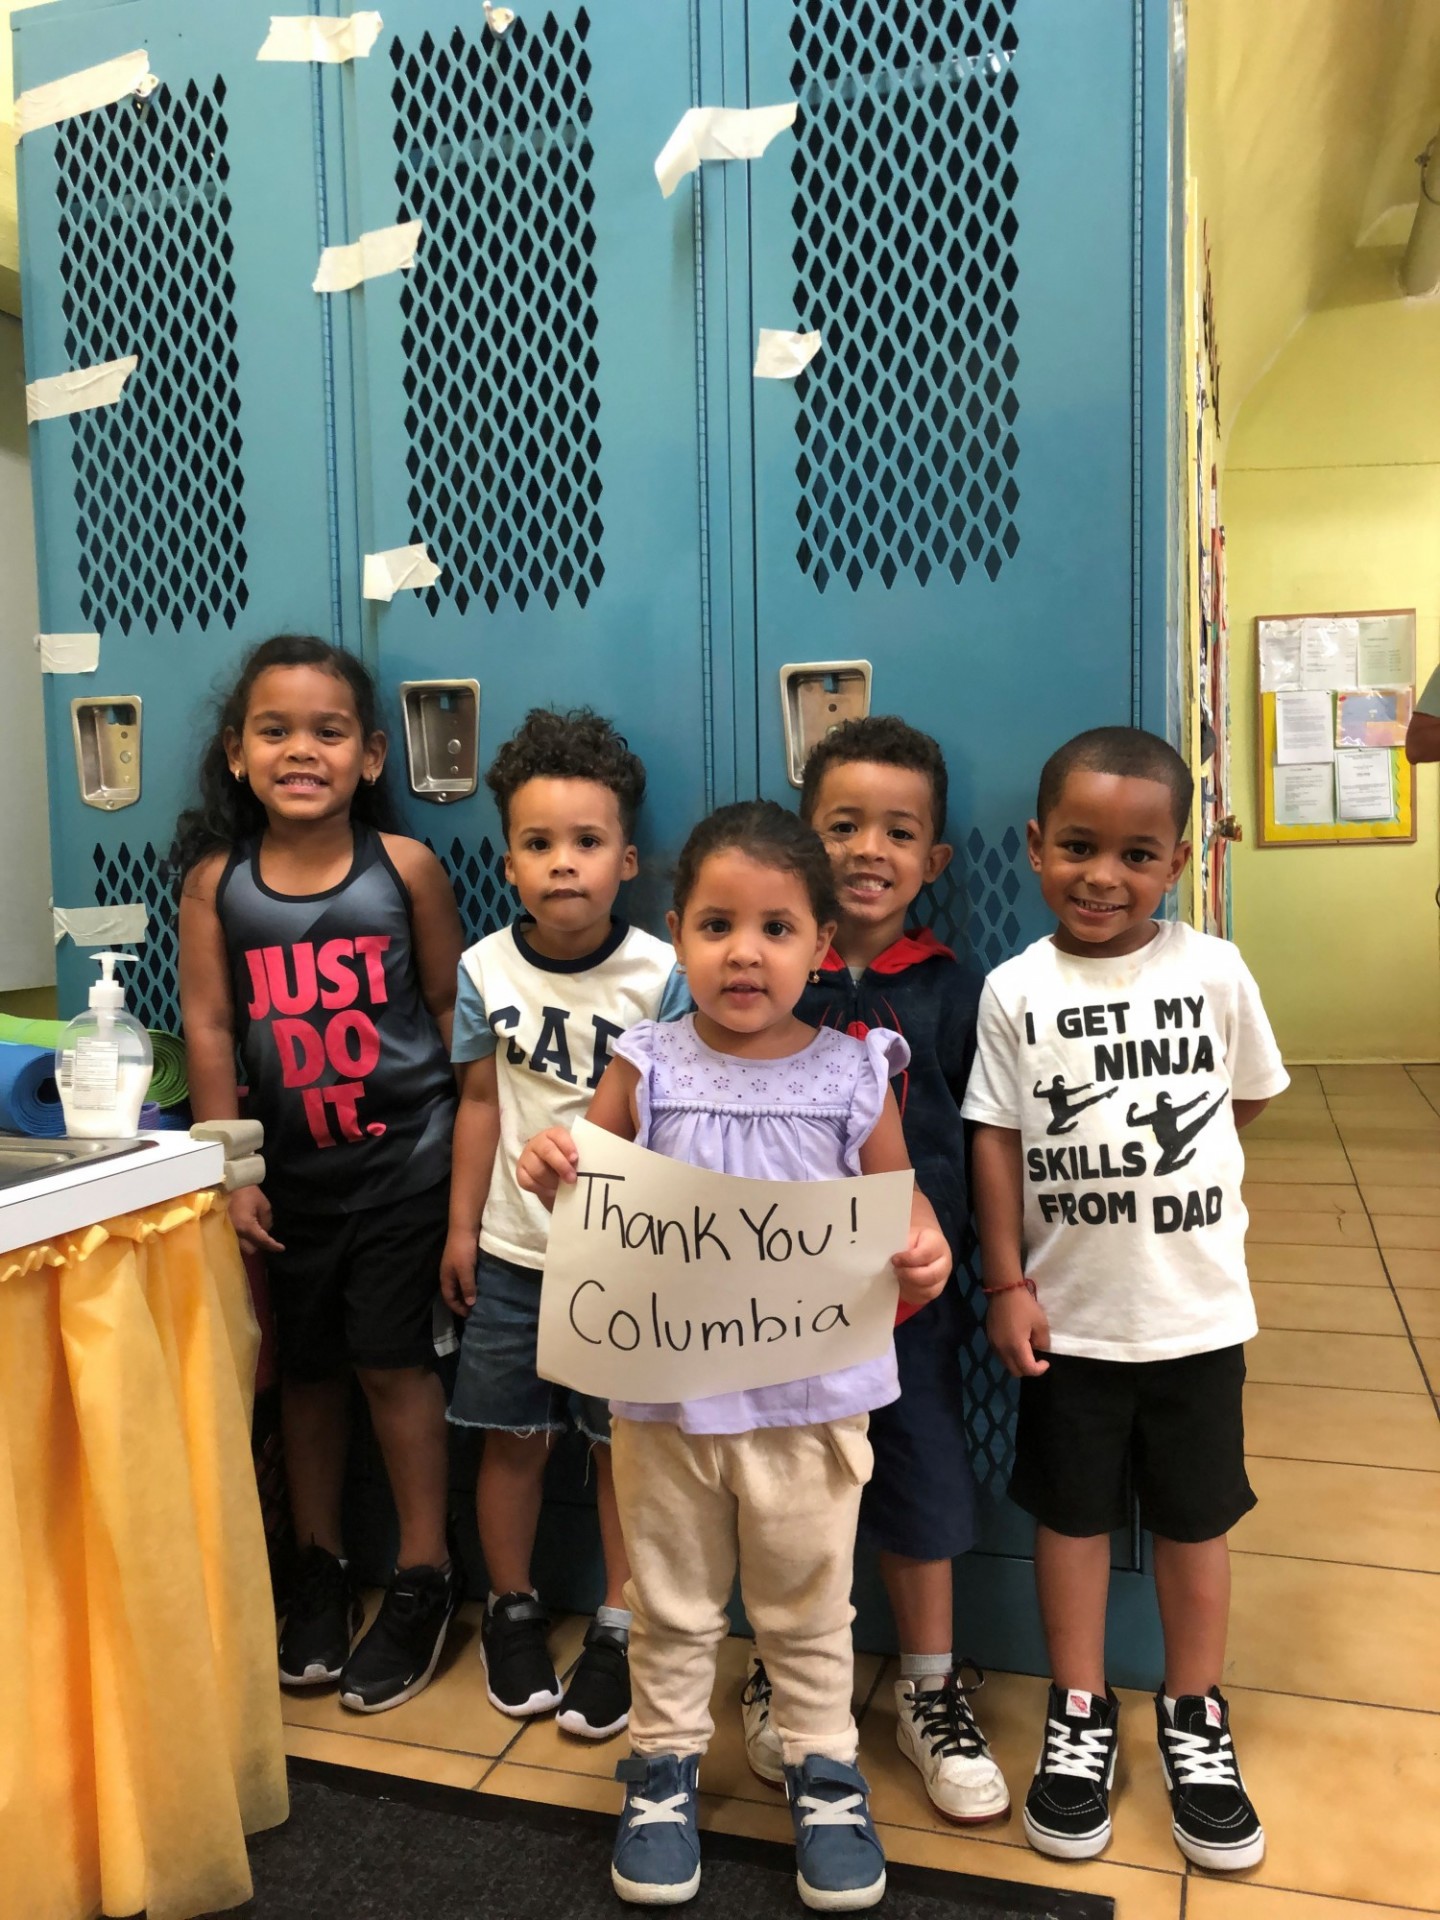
{"points": [[322, 1619], [1067, 1810], [1212, 1819], [519, 1673], [400, 1653], [597, 1698]]}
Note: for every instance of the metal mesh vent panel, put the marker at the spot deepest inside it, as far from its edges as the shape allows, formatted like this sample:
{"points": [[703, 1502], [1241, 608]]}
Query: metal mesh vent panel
{"points": [[499, 340], [152, 985], [145, 239], [905, 256], [971, 907], [482, 893]]}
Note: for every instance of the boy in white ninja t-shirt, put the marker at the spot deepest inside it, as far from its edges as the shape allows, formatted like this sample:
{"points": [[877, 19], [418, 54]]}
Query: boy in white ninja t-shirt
{"points": [[1116, 1062]]}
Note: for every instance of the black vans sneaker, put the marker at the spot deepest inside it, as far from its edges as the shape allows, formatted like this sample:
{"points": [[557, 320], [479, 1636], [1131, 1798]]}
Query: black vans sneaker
{"points": [[519, 1673], [597, 1700], [401, 1651], [1067, 1810], [323, 1618], [1213, 1821]]}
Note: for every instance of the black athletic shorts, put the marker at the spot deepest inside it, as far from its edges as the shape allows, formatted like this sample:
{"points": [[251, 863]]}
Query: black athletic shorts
{"points": [[1093, 1432], [358, 1289]]}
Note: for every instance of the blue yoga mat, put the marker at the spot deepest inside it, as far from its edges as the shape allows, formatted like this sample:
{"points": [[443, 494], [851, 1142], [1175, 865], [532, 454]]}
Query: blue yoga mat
{"points": [[29, 1098]]}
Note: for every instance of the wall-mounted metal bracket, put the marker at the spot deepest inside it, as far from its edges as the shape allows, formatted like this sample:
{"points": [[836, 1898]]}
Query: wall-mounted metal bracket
{"points": [[107, 749], [442, 737], [816, 696]]}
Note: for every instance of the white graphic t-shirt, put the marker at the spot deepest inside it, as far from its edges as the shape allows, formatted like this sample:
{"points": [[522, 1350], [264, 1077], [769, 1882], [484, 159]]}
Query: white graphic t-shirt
{"points": [[551, 1025], [1118, 1075]]}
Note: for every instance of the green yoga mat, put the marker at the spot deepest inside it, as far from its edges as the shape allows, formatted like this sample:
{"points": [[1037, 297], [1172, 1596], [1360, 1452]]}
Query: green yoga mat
{"points": [[169, 1084]]}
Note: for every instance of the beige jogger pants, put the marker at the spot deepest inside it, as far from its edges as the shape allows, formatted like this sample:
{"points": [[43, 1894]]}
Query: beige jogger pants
{"points": [[782, 1503]]}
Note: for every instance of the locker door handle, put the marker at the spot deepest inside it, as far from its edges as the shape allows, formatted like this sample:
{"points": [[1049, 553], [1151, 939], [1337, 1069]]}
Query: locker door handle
{"points": [[442, 738], [107, 749], [817, 696]]}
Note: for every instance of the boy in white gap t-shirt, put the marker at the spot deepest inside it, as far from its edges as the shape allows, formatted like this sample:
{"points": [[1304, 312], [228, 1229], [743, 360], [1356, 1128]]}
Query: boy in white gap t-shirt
{"points": [[1116, 1062]]}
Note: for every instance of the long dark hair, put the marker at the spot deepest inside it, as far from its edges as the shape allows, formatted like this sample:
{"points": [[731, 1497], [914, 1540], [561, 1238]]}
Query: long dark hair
{"points": [[771, 836], [228, 811]]}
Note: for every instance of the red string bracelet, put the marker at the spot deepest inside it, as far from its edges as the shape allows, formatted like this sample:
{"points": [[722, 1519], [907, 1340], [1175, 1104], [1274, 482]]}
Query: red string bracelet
{"points": [[1011, 1286]]}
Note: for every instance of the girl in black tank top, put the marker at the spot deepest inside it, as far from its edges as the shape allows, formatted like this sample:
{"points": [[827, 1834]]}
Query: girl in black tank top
{"points": [[326, 950]]}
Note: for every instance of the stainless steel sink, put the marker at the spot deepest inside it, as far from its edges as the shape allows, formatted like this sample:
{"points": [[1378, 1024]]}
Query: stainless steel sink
{"points": [[23, 1158]]}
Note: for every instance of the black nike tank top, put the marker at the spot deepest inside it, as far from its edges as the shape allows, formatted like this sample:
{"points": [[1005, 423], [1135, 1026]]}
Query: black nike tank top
{"points": [[346, 1067]]}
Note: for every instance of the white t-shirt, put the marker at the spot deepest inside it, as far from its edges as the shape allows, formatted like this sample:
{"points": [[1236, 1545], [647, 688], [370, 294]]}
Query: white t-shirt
{"points": [[551, 1025], [1118, 1075]]}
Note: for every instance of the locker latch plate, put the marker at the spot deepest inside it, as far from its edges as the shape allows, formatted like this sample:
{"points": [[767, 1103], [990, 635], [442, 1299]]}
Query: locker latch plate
{"points": [[817, 696], [442, 738], [106, 729]]}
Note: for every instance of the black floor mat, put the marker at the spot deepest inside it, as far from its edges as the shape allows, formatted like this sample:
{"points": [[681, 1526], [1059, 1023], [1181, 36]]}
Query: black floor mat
{"points": [[361, 1846]]}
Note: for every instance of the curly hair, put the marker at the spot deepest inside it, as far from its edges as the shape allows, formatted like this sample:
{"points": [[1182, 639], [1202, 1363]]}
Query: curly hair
{"points": [[887, 741], [771, 836], [578, 745], [1128, 752], [228, 811]]}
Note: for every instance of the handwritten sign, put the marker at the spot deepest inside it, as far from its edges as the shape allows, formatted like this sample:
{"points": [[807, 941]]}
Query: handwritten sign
{"points": [[663, 1282]]}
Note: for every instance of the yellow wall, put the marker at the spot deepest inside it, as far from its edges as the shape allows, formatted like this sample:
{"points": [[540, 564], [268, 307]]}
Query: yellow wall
{"points": [[1332, 501]]}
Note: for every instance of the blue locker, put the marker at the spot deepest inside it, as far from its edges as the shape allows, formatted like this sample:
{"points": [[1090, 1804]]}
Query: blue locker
{"points": [[190, 518], [967, 488]]}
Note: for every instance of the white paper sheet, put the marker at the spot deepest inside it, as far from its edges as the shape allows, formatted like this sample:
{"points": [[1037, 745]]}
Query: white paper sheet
{"points": [[719, 133], [1280, 656], [1304, 729], [1365, 785], [79, 390], [1386, 652], [784, 356], [663, 1282], [386, 250], [1327, 654], [1305, 796], [386, 574], [99, 86], [327, 40], [122, 926], [68, 652]]}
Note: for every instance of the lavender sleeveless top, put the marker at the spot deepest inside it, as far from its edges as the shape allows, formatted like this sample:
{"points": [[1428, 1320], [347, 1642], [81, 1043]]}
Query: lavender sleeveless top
{"points": [[801, 1118]]}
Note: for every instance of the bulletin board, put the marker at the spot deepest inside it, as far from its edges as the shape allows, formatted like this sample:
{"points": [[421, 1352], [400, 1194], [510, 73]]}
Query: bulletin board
{"points": [[1336, 694]]}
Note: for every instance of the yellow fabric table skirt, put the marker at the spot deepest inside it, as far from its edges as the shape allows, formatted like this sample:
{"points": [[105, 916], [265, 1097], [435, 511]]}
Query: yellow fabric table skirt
{"points": [[140, 1734]]}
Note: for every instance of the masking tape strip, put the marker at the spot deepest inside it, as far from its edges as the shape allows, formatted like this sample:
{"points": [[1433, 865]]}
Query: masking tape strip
{"points": [[499, 19], [79, 390], [781, 356], [123, 926], [719, 133], [320, 37], [386, 250], [68, 652], [399, 567], [79, 92]]}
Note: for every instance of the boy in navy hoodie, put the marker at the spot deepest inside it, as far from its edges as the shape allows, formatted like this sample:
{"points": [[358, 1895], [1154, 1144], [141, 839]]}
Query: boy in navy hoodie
{"points": [[875, 791]]}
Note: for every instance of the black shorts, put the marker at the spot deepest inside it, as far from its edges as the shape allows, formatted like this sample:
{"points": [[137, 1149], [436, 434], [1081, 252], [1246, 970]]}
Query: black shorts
{"points": [[920, 1500], [358, 1289], [1092, 1433]]}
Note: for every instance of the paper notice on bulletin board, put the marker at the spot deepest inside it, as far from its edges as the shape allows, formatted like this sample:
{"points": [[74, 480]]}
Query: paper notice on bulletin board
{"points": [[1303, 729], [1385, 650], [1280, 656], [1365, 786], [1305, 796], [1328, 654], [1373, 719]]}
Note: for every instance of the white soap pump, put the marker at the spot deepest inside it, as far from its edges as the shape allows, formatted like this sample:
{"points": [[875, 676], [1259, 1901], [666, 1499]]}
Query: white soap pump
{"points": [[103, 1062]]}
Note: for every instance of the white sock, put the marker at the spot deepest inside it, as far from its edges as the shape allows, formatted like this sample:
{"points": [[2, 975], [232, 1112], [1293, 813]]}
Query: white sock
{"points": [[926, 1671]]}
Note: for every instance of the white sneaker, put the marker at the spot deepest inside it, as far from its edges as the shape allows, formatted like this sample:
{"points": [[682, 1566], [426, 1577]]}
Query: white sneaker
{"points": [[935, 1728], [762, 1743]]}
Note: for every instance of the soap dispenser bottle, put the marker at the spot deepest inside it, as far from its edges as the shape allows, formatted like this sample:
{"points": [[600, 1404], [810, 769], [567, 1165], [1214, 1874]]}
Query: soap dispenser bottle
{"points": [[103, 1063]]}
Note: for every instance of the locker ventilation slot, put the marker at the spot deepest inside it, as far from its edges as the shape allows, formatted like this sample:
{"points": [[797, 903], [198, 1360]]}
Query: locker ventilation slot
{"points": [[972, 905], [905, 255], [152, 985], [145, 244], [482, 892], [499, 312]]}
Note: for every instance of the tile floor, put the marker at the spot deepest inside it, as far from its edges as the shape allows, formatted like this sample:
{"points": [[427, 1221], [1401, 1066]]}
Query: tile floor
{"points": [[1334, 1666]]}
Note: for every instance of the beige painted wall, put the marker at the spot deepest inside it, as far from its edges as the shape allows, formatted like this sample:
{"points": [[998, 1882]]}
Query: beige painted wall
{"points": [[1332, 501]]}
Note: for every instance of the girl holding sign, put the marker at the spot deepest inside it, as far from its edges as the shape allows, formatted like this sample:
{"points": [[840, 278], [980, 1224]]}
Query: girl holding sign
{"points": [[768, 1479]]}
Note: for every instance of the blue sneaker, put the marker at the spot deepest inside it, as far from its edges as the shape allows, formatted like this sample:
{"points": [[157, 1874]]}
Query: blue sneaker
{"points": [[839, 1863], [656, 1862]]}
